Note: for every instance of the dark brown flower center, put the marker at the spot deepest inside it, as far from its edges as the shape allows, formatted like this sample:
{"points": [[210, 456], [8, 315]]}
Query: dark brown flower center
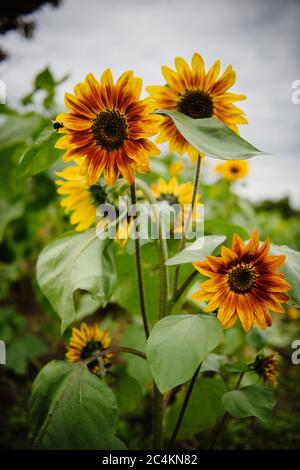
{"points": [[196, 104], [234, 169], [110, 129], [98, 194], [91, 348], [241, 279]]}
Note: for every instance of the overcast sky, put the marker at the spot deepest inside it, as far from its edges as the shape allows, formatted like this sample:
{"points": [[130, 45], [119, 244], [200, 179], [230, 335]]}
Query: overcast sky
{"points": [[260, 38]]}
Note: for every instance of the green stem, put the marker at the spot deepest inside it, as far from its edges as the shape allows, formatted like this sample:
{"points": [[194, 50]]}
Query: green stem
{"points": [[157, 417], [187, 223], [225, 417], [162, 251], [139, 268], [176, 296], [134, 351], [184, 407]]}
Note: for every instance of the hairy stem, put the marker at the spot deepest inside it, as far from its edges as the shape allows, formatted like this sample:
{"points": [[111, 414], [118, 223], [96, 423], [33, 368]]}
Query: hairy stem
{"points": [[139, 269], [176, 296], [157, 417], [134, 351], [188, 220], [184, 407]]}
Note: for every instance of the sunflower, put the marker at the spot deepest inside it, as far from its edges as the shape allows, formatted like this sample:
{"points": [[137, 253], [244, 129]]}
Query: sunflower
{"points": [[266, 367], [198, 94], [173, 193], [244, 283], [109, 126], [233, 170], [79, 197], [83, 199], [86, 342]]}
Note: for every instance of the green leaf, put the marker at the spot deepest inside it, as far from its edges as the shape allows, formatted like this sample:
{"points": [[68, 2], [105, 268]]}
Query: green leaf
{"points": [[178, 344], [20, 128], [202, 247], [45, 80], [253, 400], [213, 362], [70, 408], [291, 270], [204, 410], [211, 137], [215, 227], [128, 394], [72, 264], [22, 350], [8, 213], [117, 444], [40, 156]]}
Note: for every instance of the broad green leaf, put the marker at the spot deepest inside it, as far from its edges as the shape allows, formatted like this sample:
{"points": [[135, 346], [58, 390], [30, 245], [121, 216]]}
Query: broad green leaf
{"points": [[44, 80], [117, 444], [75, 264], [204, 410], [71, 408], [291, 270], [214, 227], [253, 400], [211, 137], [40, 156], [213, 362], [22, 350], [20, 128], [128, 393], [202, 247], [8, 213], [178, 344]]}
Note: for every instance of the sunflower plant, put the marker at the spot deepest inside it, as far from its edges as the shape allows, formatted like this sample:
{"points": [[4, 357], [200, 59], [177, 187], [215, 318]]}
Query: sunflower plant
{"points": [[157, 320]]}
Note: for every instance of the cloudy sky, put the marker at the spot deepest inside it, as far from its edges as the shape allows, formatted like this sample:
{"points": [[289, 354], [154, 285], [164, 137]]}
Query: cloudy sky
{"points": [[260, 38]]}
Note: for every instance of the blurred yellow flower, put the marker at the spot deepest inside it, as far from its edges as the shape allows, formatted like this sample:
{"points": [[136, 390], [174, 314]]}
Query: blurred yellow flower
{"points": [[233, 170], [176, 168], [108, 126], [267, 368], [85, 342], [198, 94], [80, 198], [172, 192], [293, 313]]}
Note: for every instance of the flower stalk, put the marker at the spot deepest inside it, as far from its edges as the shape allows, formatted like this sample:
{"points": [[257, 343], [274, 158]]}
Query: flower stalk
{"points": [[184, 407], [139, 268], [188, 219]]}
